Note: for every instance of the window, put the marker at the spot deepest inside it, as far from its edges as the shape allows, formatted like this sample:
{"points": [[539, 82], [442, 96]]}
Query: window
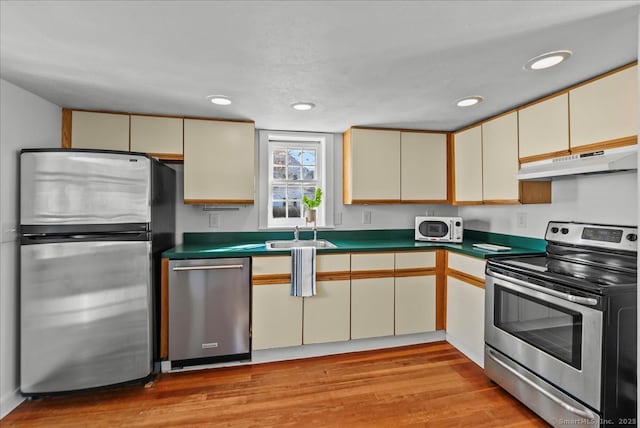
{"points": [[292, 166]]}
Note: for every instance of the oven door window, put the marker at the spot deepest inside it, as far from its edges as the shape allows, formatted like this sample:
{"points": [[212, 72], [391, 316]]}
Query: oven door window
{"points": [[434, 229], [548, 327]]}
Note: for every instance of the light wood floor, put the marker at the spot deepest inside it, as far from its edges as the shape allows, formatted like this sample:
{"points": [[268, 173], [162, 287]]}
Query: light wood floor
{"points": [[431, 385]]}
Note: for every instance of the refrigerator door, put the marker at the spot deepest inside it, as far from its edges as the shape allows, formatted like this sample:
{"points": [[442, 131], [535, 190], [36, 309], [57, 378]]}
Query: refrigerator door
{"points": [[69, 187], [85, 314]]}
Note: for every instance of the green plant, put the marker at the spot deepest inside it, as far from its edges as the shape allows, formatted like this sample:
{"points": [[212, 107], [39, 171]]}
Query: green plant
{"points": [[315, 202]]}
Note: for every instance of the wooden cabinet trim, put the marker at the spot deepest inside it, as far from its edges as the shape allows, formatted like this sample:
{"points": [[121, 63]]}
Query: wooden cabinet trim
{"points": [[367, 274], [271, 279], [333, 276], [424, 201], [346, 168], [535, 192], [219, 201], [606, 145], [400, 273], [164, 309], [544, 156], [441, 290], [67, 117], [501, 201], [465, 277], [167, 156], [375, 201]]}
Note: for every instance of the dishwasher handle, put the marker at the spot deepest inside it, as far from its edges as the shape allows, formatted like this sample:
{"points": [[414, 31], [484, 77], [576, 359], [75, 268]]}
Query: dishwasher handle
{"points": [[206, 267]]}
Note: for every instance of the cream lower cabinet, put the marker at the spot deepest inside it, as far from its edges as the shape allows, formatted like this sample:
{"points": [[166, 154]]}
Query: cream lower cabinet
{"points": [[276, 315], [327, 315], [465, 305], [372, 295], [415, 292]]}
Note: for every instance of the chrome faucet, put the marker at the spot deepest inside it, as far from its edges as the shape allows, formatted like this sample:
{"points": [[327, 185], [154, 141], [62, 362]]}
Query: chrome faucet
{"points": [[296, 233]]}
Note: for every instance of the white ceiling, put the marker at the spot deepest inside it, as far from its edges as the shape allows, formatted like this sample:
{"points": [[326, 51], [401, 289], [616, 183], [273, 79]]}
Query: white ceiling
{"points": [[371, 63]]}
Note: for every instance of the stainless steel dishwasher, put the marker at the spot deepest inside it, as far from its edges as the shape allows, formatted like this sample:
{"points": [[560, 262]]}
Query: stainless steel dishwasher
{"points": [[209, 310]]}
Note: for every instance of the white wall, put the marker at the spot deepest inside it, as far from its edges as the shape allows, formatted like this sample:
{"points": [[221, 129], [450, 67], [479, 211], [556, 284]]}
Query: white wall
{"points": [[192, 218], [26, 121], [604, 198]]}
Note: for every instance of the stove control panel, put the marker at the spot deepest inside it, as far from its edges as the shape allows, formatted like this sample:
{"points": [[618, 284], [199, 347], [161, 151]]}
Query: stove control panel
{"points": [[593, 235]]}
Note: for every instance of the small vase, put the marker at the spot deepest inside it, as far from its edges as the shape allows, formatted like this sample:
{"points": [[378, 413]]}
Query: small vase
{"points": [[311, 215]]}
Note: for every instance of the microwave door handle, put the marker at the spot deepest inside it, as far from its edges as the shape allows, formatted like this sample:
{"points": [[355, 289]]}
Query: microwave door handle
{"points": [[565, 296], [569, 408]]}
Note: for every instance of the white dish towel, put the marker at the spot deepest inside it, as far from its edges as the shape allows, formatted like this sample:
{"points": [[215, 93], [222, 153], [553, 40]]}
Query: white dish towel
{"points": [[303, 271]]}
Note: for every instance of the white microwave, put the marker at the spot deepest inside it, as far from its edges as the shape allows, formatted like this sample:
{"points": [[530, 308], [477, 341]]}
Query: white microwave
{"points": [[439, 229]]}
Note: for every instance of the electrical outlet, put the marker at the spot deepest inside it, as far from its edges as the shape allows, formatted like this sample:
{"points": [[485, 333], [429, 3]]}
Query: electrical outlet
{"points": [[366, 217], [521, 220], [214, 221], [337, 219]]}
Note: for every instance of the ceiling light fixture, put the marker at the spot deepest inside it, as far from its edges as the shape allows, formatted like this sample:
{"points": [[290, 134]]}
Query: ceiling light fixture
{"points": [[302, 106], [547, 60], [469, 101], [220, 100]]}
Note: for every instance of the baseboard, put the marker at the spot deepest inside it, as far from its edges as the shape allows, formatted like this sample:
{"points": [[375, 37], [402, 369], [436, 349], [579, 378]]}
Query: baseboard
{"points": [[473, 356], [321, 349], [9, 402]]}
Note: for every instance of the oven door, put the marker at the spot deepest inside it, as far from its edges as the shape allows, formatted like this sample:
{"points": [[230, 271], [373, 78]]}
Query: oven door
{"points": [[557, 339]]}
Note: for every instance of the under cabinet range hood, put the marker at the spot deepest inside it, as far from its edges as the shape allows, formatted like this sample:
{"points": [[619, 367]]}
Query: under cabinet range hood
{"points": [[620, 159]]}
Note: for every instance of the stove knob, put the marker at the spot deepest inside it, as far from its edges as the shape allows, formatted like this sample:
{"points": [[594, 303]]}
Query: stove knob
{"points": [[564, 230], [632, 237], [554, 230]]}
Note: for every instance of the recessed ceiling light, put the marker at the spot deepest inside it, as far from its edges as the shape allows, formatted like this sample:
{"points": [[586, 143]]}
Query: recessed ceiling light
{"points": [[469, 101], [302, 106], [547, 60], [220, 100]]}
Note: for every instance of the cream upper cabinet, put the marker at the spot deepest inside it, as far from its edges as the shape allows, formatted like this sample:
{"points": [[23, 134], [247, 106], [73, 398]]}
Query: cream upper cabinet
{"points": [[605, 110], [423, 160], [158, 136], [104, 131], [543, 129], [218, 161], [500, 159], [467, 166], [371, 166]]}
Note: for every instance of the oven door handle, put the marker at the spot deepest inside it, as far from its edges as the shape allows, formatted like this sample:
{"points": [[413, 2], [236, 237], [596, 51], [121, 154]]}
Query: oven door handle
{"points": [[568, 407], [590, 301]]}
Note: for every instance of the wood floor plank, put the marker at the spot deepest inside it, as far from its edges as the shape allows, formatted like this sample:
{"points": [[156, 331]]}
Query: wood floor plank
{"points": [[431, 385]]}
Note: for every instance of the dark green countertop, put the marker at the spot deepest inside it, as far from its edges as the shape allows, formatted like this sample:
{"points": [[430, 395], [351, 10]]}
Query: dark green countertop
{"points": [[244, 244]]}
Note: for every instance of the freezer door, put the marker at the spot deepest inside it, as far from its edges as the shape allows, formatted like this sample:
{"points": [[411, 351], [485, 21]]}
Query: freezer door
{"points": [[85, 315], [80, 187]]}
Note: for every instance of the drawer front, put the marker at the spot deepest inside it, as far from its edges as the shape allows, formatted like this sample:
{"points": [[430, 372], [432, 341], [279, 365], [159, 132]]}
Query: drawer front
{"points": [[415, 260], [271, 265], [466, 264], [372, 261], [333, 263]]}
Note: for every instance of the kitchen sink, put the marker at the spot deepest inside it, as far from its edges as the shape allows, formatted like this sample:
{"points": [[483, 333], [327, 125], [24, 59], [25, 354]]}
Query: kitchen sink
{"points": [[285, 245]]}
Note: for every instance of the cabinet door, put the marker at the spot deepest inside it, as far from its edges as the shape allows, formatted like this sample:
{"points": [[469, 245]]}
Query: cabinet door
{"points": [[218, 162], [423, 176], [102, 131], [467, 166], [605, 110], [371, 161], [543, 129], [327, 314], [465, 318], [372, 307], [276, 317], [415, 304], [158, 136], [500, 159]]}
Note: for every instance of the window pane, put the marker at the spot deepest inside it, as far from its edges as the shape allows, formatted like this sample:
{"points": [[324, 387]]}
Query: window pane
{"points": [[295, 173], [295, 157], [279, 172], [309, 173], [309, 157], [310, 192], [278, 192], [279, 209], [294, 208], [279, 157], [294, 192]]}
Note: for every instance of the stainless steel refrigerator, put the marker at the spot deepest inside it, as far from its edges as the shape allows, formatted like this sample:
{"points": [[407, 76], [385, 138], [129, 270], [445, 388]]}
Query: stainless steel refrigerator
{"points": [[92, 226]]}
